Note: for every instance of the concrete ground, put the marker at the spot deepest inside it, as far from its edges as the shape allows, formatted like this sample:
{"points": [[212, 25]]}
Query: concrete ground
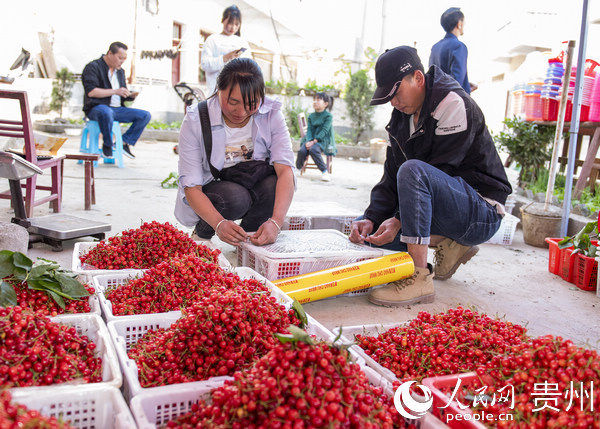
{"points": [[511, 281]]}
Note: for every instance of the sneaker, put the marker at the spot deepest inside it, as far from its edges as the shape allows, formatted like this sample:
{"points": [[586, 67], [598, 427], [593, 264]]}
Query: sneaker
{"points": [[107, 151], [448, 257], [325, 177], [412, 290], [127, 151]]}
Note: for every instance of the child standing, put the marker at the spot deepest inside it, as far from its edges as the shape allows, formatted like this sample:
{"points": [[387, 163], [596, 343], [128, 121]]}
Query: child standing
{"points": [[319, 136]]}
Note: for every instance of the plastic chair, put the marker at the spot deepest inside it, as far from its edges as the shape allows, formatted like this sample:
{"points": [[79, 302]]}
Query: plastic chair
{"points": [[23, 129], [90, 142]]}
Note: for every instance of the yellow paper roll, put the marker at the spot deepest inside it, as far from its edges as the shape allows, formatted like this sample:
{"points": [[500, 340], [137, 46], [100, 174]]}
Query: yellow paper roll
{"points": [[347, 278]]}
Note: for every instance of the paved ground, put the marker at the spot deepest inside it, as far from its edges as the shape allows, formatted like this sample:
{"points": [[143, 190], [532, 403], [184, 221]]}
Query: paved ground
{"points": [[511, 281]]}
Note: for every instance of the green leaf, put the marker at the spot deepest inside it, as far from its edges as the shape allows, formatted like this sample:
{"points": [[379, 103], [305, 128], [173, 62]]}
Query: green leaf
{"points": [[300, 313], [57, 298], [22, 261], [296, 335], [20, 273], [71, 286], [6, 265], [40, 270], [8, 296]]}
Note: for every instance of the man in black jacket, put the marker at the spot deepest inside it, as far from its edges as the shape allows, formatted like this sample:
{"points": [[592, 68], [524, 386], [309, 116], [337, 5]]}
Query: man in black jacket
{"points": [[443, 184], [104, 95]]}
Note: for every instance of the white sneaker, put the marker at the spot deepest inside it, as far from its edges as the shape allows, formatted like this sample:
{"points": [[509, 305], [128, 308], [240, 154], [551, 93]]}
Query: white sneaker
{"points": [[325, 177]]}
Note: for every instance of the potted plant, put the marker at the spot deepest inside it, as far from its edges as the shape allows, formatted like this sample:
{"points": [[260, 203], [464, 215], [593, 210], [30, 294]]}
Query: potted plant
{"points": [[311, 88], [62, 88], [274, 87], [291, 88], [529, 146]]}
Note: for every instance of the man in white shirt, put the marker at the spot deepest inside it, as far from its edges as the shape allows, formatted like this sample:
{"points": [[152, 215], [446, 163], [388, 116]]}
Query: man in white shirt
{"points": [[105, 92]]}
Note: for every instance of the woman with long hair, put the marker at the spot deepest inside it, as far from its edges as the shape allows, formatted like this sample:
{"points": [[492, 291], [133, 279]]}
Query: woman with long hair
{"points": [[223, 47]]}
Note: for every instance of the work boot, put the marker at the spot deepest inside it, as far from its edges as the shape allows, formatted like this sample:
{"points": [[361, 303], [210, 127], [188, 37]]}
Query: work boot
{"points": [[448, 257], [414, 289]]}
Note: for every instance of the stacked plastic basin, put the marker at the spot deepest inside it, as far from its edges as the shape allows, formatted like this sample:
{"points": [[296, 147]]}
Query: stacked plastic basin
{"points": [[533, 101], [518, 99], [595, 100], [586, 97], [551, 89]]}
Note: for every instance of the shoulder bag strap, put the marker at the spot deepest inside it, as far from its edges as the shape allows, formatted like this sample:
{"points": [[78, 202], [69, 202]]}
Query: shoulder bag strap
{"points": [[207, 136]]}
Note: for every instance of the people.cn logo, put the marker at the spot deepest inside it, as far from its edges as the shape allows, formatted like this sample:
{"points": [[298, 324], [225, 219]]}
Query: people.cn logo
{"points": [[407, 406]]}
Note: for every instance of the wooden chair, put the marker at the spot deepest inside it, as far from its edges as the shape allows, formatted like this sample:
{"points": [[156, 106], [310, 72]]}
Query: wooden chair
{"points": [[303, 126], [22, 129]]}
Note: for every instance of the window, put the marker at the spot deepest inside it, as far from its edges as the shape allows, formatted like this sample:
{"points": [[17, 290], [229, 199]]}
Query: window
{"points": [[176, 62]]}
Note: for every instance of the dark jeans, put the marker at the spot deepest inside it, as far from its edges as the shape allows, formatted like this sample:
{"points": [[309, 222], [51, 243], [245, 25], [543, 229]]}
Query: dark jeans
{"points": [[253, 206], [315, 152], [105, 115], [434, 203]]}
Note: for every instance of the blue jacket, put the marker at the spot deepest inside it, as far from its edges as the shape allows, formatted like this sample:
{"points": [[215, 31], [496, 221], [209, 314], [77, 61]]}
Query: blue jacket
{"points": [[450, 54]]}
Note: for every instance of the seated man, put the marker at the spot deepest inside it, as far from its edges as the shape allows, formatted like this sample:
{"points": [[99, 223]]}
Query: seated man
{"points": [[443, 183], [104, 95]]}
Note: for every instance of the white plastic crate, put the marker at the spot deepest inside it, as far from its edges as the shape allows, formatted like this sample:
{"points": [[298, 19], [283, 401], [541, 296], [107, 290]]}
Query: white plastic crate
{"points": [[301, 252], [102, 282], [339, 223], [127, 331], [83, 247], [348, 337], [93, 327], [295, 223], [96, 407], [154, 409], [506, 232]]}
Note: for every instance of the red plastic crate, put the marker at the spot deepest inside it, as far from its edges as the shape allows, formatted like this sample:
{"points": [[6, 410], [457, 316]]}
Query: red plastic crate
{"points": [[440, 399], [566, 264], [585, 272], [554, 255]]}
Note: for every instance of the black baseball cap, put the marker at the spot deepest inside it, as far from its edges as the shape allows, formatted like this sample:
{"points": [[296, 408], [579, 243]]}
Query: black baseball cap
{"points": [[390, 68]]}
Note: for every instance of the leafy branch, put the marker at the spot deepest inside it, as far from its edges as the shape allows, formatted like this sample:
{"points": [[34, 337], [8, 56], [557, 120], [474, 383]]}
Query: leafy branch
{"points": [[43, 275], [582, 241]]}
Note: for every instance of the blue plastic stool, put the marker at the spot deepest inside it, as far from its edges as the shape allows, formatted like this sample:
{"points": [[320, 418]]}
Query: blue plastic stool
{"points": [[90, 137]]}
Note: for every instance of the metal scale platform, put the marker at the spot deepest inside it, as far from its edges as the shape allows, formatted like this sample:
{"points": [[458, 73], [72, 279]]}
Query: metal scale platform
{"points": [[52, 229]]}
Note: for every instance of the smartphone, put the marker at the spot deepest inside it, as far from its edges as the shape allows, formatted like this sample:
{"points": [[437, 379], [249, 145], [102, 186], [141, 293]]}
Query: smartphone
{"points": [[241, 50]]}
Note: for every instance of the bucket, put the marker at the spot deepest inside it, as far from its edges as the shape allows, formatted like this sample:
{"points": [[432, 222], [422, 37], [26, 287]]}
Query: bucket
{"points": [[539, 223]]}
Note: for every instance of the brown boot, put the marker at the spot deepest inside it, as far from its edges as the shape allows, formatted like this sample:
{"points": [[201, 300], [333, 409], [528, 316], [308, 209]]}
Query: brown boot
{"points": [[448, 257], [414, 289]]}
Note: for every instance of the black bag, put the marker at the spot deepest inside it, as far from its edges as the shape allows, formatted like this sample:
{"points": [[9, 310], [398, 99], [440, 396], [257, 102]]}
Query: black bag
{"points": [[247, 173]]}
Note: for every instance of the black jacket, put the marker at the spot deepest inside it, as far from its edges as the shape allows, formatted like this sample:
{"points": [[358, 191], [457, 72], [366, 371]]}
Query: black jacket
{"points": [[451, 135], [95, 75]]}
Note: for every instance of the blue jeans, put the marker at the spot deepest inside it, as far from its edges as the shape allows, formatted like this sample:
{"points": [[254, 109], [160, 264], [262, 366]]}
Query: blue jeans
{"points": [[254, 206], [315, 152], [434, 203], [105, 115]]}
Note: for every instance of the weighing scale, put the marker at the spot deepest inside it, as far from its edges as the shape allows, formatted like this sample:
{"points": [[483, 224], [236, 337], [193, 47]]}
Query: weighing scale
{"points": [[52, 229]]}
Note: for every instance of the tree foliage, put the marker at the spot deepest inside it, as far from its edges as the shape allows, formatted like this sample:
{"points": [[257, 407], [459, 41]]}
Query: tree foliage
{"points": [[359, 91], [62, 87]]}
